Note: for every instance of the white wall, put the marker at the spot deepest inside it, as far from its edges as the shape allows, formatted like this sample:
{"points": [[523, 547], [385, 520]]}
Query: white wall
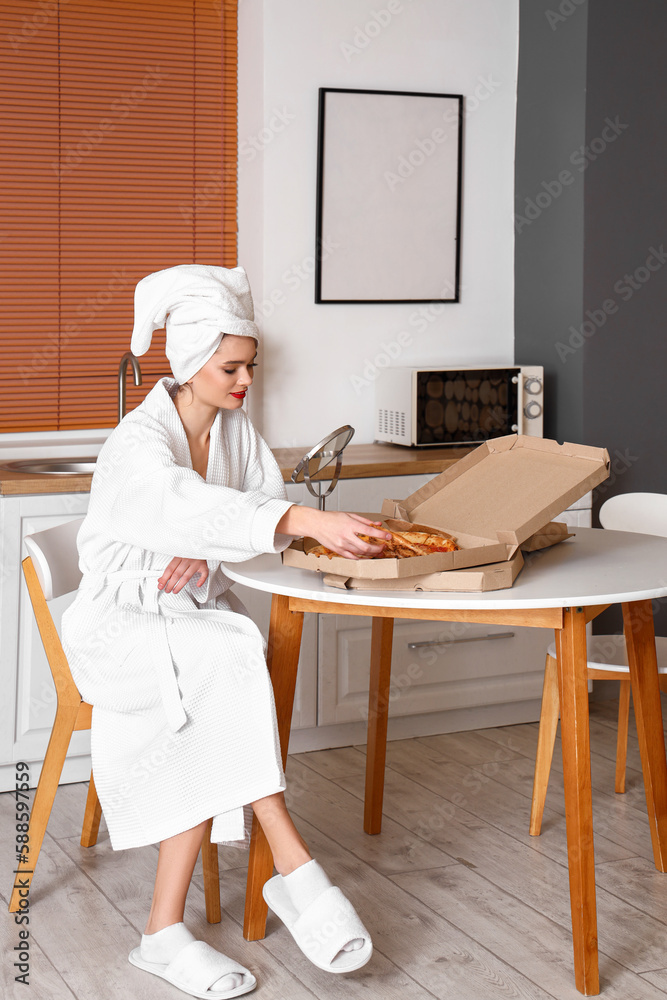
{"points": [[289, 48]]}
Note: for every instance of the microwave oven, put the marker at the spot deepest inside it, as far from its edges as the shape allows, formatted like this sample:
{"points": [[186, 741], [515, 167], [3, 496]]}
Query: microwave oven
{"points": [[428, 407]]}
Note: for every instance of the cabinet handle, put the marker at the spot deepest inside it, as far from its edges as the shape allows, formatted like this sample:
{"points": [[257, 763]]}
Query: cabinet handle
{"points": [[450, 642]]}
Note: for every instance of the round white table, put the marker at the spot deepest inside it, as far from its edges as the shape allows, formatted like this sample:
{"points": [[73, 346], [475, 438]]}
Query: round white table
{"points": [[562, 588]]}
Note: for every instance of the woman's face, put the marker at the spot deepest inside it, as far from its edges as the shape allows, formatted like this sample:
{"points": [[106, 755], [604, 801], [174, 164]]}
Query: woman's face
{"points": [[225, 378]]}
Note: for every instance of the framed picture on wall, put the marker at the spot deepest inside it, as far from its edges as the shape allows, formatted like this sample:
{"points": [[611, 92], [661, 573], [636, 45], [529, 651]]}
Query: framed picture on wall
{"points": [[388, 196]]}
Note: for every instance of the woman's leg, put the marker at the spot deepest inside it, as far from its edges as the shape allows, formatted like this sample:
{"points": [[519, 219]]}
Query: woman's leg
{"points": [[287, 845], [291, 857], [178, 856], [176, 863]]}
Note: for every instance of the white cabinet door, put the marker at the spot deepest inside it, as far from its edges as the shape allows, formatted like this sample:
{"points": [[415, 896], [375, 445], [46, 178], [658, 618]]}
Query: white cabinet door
{"points": [[463, 667], [436, 667], [29, 707], [580, 517], [366, 495]]}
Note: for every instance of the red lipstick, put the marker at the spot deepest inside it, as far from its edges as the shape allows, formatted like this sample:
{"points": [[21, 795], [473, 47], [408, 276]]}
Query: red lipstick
{"points": [[238, 395]]}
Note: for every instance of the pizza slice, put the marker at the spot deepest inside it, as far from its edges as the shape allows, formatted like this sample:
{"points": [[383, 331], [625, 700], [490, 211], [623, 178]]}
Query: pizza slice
{"points": [[403, 544]]}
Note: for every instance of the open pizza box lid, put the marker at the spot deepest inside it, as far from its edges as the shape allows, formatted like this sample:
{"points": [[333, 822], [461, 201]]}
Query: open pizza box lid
{"points": [[505, 490]]}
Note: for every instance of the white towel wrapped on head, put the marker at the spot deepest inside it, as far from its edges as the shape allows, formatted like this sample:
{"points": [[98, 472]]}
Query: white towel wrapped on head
{"points": [[199, 302]]}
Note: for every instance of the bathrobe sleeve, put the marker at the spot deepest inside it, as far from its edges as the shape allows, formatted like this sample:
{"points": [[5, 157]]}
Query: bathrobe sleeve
{"points": [[165, 507], [262, 472]]}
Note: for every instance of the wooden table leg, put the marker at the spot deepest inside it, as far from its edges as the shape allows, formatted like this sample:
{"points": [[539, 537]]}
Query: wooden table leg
{"points": [[92, 816], [378, 712], [282, 659], [211, 874], [640, 641], [573, 685], [625, 688], [546, 739]]}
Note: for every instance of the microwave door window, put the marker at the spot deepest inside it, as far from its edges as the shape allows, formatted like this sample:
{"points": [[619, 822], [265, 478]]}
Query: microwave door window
{"points": [[465, 407]]}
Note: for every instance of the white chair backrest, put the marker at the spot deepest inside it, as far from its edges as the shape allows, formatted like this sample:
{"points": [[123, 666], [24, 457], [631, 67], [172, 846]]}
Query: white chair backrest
{"points": [[644, 512], [56, 558]]}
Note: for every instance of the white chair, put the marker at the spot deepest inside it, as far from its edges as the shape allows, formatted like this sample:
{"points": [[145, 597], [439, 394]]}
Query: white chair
{"points": [[607, 654], [51, 569]]}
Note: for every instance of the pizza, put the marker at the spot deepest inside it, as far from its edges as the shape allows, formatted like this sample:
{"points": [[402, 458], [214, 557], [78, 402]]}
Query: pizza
{"points": [[403, 544]]}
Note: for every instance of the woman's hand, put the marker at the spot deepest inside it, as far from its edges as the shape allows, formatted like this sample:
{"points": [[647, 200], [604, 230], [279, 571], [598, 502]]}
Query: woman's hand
{"points": [[339, 532], [336, 530], [179, 571]]}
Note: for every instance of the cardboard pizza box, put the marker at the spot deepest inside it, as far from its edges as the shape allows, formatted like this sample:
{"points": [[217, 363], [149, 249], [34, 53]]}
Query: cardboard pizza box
{"points": [[489, 502], [477, 579], [504, 491], [298, 554], [550, 534]]}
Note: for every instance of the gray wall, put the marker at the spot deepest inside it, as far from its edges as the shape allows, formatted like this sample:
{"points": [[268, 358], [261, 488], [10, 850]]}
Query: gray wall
{"points": [[625, 353], [625, 356], [591, 290], [591, 112], [549, 206]]}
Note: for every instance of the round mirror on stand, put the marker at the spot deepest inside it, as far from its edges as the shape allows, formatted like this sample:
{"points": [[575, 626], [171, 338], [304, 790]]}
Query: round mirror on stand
{"points": [[315, 466]]}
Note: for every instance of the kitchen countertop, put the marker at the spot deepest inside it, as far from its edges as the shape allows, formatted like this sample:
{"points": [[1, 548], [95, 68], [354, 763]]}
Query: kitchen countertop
{"points": [[360, 461]]}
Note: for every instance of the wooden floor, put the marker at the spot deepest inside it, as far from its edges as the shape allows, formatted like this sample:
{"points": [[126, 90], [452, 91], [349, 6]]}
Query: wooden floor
{"points": [[461, 902]]}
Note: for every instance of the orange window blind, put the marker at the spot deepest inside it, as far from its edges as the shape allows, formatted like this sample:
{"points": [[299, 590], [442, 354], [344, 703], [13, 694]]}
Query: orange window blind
{"points": [[119, 150]]}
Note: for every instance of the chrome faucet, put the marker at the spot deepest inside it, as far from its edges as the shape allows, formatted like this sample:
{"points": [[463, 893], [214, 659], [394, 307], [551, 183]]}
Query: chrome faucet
{"points": [[122, 374]]}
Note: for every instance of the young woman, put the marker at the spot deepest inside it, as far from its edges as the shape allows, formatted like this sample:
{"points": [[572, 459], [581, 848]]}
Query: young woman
{"points": [[184, 725]]}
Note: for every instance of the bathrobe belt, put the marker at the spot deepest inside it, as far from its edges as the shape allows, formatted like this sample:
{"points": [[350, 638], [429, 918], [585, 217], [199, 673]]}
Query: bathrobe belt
{"points": [[156, 622]]}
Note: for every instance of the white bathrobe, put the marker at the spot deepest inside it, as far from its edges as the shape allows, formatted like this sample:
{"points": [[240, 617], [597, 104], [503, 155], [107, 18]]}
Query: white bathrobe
{"points": [[184, 723]]}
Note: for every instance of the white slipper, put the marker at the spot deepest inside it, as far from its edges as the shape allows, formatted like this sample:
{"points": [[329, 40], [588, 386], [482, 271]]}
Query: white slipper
{"points": [[324, 927], [195, 967]]}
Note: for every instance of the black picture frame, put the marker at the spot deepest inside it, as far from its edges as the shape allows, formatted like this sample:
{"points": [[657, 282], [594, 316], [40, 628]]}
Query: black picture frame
{"points": [[388, 217]]}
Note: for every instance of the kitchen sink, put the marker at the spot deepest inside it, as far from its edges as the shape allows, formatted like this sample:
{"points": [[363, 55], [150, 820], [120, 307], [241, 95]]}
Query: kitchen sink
{"points": [[53, 467]]}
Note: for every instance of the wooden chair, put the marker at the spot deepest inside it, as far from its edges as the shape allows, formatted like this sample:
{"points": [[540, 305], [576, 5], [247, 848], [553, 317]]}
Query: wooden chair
{"points": [[51, 569], [607, 654]]}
